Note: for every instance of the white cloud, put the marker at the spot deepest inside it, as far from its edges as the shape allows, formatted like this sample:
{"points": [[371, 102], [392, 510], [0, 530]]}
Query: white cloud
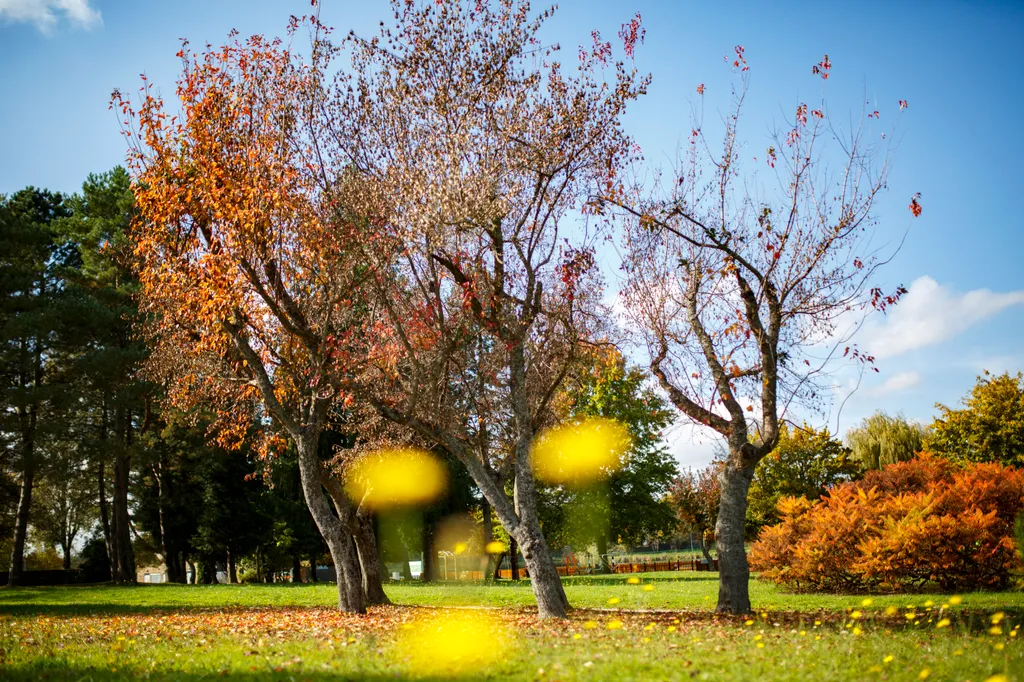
{"points": [[45, 14], [894, 384], [930, 313]]}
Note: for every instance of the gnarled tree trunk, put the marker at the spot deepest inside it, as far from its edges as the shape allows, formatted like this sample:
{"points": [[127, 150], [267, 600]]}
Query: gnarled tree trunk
{"points": [[734, 572], [369, 561], [333, 529]]}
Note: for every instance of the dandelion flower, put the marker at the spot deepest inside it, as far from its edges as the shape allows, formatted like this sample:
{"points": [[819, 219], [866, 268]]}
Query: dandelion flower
{"points": [[954, 600], [944, 623]]}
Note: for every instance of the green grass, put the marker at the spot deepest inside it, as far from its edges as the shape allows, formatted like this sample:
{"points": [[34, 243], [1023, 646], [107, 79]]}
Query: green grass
{"points": [[290, 632]]}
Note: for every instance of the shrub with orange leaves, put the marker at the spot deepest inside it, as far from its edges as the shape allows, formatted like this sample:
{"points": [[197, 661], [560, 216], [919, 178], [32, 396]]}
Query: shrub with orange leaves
{"points": [[926, 520]]}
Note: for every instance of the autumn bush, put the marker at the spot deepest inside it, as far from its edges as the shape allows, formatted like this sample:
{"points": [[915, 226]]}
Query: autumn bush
{"points": [[900, 528]]}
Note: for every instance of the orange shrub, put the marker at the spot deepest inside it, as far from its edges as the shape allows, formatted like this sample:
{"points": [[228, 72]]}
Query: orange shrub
{"points": [[899, 528]]}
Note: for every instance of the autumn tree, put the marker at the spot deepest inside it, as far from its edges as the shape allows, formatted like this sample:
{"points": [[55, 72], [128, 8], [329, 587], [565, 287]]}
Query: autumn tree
{"points": [[737, 282], [694, 496], [250, 261], [882, 439], [477, 141], [988, 428]]}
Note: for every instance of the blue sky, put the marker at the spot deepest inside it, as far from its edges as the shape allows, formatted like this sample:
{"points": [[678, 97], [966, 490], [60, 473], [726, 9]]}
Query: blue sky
{"points": [[960, 146]]}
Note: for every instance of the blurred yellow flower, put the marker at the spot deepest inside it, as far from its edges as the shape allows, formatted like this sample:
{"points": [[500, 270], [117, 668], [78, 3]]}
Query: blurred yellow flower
{"points": [[866, 602], [856, 615], [495, 547], [448, 643], [394, 478], [995, 630], [997, 678], [580, 452], [888, 659], [954, 600], [614, 625], [748, 622], [997, 617], [590, 624], [614, 600], [944, 623], [633, 581], [923, 675], [648, 588], [891, 610]]}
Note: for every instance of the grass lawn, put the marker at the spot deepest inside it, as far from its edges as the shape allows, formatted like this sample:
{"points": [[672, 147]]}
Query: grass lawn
{"points": [[662, 628]]}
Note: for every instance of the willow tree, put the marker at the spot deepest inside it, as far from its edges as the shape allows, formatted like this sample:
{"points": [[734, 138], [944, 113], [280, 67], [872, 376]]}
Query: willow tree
{"points": [[880, 440], [739, 283], [248, 262], [476, 143]]}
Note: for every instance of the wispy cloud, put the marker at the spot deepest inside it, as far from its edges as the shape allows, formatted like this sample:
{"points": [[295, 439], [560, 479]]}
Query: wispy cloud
{"points": [[929, 314], [894, 384], [46, 14]]}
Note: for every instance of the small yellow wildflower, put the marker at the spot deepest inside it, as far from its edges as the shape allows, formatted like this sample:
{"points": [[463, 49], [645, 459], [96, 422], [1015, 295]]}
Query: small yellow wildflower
{"points": [[857, 632], [944, 623], [997, 617], [891, 610], [923, 675], [995, 630], [954, 600], [633, 581], [614, 600], [999, 646], [590, 624], [648, 588], [888, 659], [866, 602], [748, 622], [577, 636], [614, 625], [817, 622], [671, 628], [856, 615], [760, 645], [997, 678], [929, 604]]}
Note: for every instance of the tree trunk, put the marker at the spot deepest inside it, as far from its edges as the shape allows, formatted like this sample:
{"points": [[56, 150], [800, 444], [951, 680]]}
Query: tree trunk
{"points": [[602, 554], [705, 548], [332, 528], [312, 569], [429, 568], [232, 569], [734, 576], [544, 578], [66, 546], [369, 561], [21, 522], [108, 537], [513, 558], [489, 557], [296, 569], [122, 522]]}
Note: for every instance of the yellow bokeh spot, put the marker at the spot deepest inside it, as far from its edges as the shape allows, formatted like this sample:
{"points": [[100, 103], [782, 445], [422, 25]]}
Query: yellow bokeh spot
{"points": [[648, 588], [944, 623], [888, 659], [395, 478], [997, 617], [590, 624], [581, 452], [632, 581], [448, 643], [495, 547], [955, 600], [614, 625], [866, 602], [923, 675], [614, 600], [891, 610], [461, 547]]}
